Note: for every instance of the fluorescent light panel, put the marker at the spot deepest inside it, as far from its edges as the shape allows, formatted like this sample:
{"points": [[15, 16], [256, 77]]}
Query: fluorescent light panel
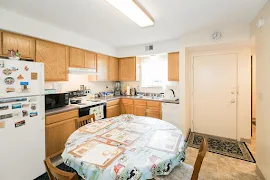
{"points": [[132, 10]]}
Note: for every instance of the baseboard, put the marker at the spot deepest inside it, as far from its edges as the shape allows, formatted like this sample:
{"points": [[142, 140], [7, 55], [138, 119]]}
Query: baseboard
{"points": [[259, 173], [245, 140]]}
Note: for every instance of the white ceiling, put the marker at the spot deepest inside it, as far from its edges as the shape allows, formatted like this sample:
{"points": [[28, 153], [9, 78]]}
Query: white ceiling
{"points": [[98, 20]]}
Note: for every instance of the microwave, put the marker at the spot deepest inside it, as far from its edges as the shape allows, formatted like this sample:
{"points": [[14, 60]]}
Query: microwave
{"points": [[58, 100]]}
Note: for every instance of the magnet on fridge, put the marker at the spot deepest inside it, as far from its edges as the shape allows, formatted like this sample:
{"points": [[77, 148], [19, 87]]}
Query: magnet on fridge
{"points": [[16, 106], [20, 77], [33, 114], [14, 69], [34, 76], [4, 107], [24, 87], [33, 106], [9, 80], [19, 123], [10, 89], [25, 113], [32, 99], [26, 68], [5, 116], [2, 124], [2, 64], [25, 105], [7, 71]]}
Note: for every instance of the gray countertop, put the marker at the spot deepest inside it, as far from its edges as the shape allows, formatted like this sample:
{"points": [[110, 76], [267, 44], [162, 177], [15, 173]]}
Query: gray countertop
{"points": [[72, 107], [61, 109]]}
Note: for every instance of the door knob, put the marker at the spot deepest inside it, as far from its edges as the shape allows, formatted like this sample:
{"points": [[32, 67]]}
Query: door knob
{"points": [[232, 101]]}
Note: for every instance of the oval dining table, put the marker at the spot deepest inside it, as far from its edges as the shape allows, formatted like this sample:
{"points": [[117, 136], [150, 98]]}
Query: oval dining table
{"points": [[122, 148]]}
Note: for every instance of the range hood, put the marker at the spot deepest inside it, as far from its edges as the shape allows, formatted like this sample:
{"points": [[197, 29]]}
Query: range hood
{"points": [[82, 71]]}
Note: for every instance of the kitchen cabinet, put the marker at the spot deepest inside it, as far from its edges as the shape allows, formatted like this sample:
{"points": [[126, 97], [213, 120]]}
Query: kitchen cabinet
{"points": [[57, 130], [113, 69], [113, 108], [102, 67], [127, 69], [55, 58], [153, 112], [139, 107], [126, 106], [76, 57], [25, 45], [173, 66], [90, 60], [1, 33]]}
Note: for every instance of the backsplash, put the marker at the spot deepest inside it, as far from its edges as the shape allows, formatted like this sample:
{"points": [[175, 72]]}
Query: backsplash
{"points": [[75, 81], [137, 85]]}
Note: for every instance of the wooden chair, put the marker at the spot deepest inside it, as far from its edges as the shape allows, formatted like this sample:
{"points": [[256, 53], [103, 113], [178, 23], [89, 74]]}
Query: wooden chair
{"points": [[185, 171], [56, 174], [85, 120]]}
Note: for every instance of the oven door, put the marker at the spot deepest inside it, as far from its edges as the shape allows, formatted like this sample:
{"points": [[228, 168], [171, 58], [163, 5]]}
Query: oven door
{"points": [[99, 110]]}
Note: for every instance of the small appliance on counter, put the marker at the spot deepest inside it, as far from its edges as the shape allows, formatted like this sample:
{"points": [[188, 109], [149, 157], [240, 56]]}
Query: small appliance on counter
{"points": [[133, 92], [56, 100], [117, 89]]}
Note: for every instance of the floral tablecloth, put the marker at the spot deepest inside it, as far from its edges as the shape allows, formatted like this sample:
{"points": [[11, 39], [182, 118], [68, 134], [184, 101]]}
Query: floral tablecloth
{"points": [[137, 161]]}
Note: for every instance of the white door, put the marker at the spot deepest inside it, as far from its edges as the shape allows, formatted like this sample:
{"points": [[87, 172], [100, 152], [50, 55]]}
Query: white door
{"points": [[215, 94]]}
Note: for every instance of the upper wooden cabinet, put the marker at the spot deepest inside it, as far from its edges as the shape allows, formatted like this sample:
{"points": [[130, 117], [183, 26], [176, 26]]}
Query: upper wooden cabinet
{"points": [[173, 66], [25, 45], [102, 67], [127, 69], [90, 60], [55, 58], [77, 57], [1, 42], [113, 69]]}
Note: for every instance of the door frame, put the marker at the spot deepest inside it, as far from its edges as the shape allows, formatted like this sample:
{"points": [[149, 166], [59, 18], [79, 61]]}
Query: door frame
{"points": [[192, 55]]}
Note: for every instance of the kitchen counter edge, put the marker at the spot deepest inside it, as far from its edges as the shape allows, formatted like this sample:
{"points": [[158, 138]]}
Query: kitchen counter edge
{"points": [[60, 110]]}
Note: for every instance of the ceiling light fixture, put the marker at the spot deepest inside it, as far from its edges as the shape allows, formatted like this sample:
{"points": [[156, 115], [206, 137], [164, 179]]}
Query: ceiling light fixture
{"points": [[134, 11]]}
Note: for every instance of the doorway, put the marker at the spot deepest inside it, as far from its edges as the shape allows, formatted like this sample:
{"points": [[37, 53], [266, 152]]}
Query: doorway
{"points": [[215, 94]]}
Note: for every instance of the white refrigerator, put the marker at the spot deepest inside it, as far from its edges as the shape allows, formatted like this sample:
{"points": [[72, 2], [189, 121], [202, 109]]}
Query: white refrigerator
{"points": [[22, 120]]}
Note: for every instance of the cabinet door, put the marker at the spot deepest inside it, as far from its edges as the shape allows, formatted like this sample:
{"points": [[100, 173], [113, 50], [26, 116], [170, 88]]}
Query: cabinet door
{"points": [[126, 108], [76, 58], [139, 110], [25, 45], [102, 67], [113, 69], [173, 66], [1, 33], [90, 61], [57, 135], [65, 130], [155, 113], [113, 111], [127, 69], [55, 58]]}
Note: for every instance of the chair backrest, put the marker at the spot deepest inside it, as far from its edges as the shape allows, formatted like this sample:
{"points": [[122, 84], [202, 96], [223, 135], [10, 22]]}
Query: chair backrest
{"points": [[199, 160], [56, 174], [85, 120]]}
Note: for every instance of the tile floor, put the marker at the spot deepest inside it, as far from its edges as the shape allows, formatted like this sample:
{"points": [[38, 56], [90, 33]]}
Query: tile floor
{"points": [[218, 167]]}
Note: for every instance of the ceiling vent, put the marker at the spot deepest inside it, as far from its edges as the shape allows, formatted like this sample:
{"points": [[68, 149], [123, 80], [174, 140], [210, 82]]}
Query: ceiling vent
{"points": [[149, 48]]}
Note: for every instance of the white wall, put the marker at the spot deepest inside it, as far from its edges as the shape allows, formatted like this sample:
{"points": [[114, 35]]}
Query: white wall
{"points": [[11, 21], [262, 52], [234, 38], [254, 91], [75, 81]]}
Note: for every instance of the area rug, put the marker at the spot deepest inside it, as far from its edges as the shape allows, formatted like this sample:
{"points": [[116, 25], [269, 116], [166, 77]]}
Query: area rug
{"points": [[222, 146]]}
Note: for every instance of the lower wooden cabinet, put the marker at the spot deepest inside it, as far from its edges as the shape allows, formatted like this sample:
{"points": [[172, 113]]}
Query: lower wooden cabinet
{"points": [[57, 133], [113, 111], [154, 113], [126, 108], [139, 110]]}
